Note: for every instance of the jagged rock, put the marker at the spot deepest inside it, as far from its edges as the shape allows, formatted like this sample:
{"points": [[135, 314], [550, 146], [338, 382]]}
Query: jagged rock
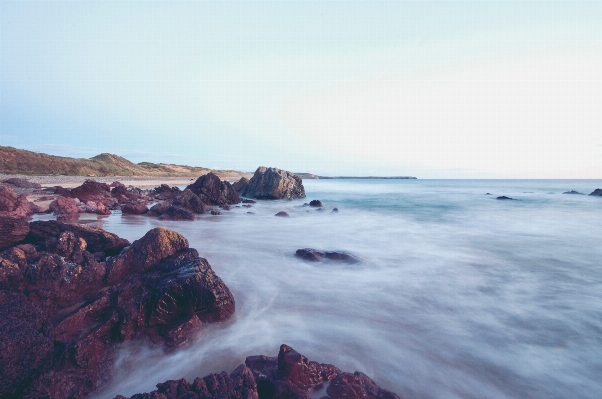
{"points": [[164, 192], [12, 230], [94, 191], [273, 183], [21, 183], [134, 208], [357, 386], [240, 184], [282, 214], [503, 197], [65, 208], [64, 309], [597, 192], [315, 203], [314, 255], [572, 192], [212, 191]]}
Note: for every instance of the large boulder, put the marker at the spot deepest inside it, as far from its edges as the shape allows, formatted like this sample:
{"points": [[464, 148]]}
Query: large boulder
{"points": [[65, 208], [597, 192], [134, 208], [189, 201], [273, 183], [66, 304], [212, 191], [290, 375]]}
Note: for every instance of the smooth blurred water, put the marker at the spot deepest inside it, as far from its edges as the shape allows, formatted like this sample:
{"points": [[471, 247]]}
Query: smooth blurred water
{"points": [[458, 295]]}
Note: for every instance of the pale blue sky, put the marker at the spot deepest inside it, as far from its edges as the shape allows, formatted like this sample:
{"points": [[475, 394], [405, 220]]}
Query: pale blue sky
{"points": [[431, 89]]}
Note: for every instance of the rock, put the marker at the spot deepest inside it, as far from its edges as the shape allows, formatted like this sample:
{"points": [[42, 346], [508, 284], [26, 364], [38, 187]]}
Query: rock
{"points": [[282, 214], [238, 385], [290, 375], [357, 386], [597, 192], [189, 201], [65, 208], [12, 230], [315, 203], [215, 212], [122, 194], [240, 184], [226, 207], [310, 254], [21, 183], [65, 310], [314, 255], [134, 208], [212, 191], [503, 197], [487, 193], [176, 213], [164, 192], [335, 209], [572, 192], [12, 205], [94, 191], [248, 201], [93, 207], [273, 183]]}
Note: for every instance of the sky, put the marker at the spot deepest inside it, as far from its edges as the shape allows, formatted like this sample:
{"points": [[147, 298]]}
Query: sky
{"points": [[428, 89]]}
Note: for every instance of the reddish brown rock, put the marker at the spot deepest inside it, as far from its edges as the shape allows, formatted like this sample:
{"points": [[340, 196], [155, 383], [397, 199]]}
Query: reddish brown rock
{"points": [[176, 213], [164, 192], [212, 191], [65, 208], [65, 309], [15, 206], [134, 208], [240, 184], [288, 376], [92, 190], [12, 230]]}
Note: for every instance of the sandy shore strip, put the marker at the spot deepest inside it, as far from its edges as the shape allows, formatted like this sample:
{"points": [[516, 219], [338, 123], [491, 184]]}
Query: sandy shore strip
{"points": [[74, 181]]}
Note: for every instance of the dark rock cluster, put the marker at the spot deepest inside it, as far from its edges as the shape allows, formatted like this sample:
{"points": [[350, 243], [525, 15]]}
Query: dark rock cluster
{"points": [[290, 375], [69, 294], [313, 255], [271, 183]]}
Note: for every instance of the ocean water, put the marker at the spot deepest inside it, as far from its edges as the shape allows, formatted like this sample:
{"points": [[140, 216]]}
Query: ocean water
{"points": [[458, 295]]}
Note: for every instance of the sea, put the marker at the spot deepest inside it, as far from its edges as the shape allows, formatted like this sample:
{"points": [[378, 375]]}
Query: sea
{"points": [[457, 294]]}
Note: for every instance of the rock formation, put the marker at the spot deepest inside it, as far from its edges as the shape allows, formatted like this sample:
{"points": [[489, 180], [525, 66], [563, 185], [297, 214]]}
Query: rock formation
{"points": [[69, 294], [597, 192], [313, 255], [273, 183], [91, 190], [15, 206], [12, 230], [288, 376], [65, 208], [135, 208], [212, 191]]}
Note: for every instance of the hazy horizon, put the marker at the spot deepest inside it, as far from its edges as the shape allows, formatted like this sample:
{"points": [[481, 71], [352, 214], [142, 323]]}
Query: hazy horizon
{"points": [[432, 90]]}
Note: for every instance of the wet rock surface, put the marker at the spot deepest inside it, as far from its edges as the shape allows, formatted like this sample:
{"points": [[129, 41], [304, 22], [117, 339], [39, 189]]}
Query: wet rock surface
{"points": [[273, 183], [67, 299], [290, 375], [314, 255]]}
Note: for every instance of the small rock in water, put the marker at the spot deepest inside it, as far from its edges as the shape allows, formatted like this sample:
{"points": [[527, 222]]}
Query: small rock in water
{"points": [[248, 201], [503, 197], [597, 192], [488, 194], [215, 212], [315, 203], [313, 255], [335, 209], [282, 214], [310, 254], [320, 209], [572, 192]]}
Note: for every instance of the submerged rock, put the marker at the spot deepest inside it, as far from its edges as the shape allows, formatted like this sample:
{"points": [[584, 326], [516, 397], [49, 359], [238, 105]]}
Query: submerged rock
{"points": [[503, 197], [597, 192], [290, 375], [315, 203], [335, 209], [282, 214], [175, 213], [273, 183], [65, 307], [573, 192], [313, 255]]}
